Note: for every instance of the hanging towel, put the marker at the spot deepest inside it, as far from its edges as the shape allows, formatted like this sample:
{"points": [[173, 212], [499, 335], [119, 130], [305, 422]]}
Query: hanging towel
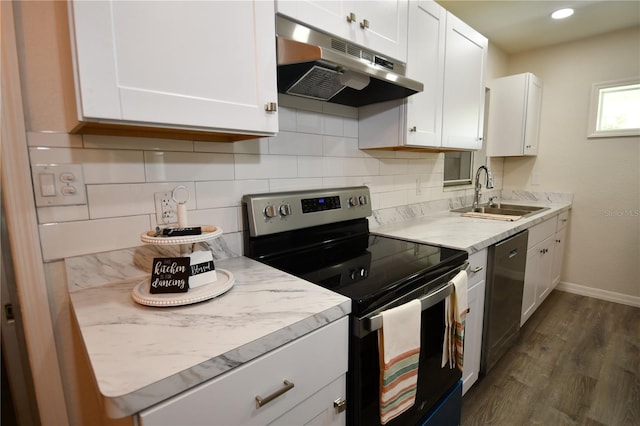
{"points": [[456, 307], [399, 349]]}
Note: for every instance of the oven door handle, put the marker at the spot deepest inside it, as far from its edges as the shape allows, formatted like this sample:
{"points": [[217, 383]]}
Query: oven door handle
{"points": [[375, 322], [367, 324]]}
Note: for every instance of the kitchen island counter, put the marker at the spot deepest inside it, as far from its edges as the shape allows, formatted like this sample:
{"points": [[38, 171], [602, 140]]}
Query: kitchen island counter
{"points": [[142, 355]]}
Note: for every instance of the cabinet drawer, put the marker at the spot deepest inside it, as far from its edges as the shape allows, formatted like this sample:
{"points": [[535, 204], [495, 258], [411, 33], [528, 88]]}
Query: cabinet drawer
{"points": [[310, 363], [477, 263], [541, 231], [563, 219]]}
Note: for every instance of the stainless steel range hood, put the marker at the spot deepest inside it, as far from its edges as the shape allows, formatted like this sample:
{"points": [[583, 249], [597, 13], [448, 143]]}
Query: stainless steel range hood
{"points": [[318, 66]]}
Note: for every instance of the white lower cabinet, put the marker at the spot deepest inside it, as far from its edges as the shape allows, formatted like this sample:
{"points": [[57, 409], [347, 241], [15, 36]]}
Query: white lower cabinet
{"points": [[474, 320], [545, 252], [316, 365]]}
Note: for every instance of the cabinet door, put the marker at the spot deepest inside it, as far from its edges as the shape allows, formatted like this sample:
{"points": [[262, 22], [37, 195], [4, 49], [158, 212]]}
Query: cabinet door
{"points": [[546, 265], [328, 16], [386, 26], [202, 65], [473, 336], [385, 31], [463, 106], [425, 62], [532, 122], [558, 256]]}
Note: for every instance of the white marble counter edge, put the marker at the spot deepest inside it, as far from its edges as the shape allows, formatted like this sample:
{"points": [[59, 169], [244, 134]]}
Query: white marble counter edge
{"points": [[131, 402]]}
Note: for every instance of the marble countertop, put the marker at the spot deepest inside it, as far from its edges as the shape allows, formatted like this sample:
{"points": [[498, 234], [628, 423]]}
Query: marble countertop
{"points": [[453, 230], [142, 355]]}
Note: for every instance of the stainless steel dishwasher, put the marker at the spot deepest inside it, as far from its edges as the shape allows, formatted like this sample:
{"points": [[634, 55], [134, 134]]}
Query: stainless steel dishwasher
{"points": [[503, 298]]}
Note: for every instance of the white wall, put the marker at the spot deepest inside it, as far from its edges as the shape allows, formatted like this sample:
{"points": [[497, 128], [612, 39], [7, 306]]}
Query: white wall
{"points": [[603, 250]]}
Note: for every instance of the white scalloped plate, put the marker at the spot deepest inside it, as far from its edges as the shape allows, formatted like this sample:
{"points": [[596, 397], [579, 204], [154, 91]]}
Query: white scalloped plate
{"points": [[148, 237], [225, 281]]}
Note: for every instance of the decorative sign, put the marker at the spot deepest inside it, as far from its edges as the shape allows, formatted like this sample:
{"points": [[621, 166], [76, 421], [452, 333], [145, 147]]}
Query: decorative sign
{"points": [[170, 275]]}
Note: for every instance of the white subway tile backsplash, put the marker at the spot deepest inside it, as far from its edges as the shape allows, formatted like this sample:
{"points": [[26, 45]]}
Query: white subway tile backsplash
{"points": [[62, 213], [309, 122], [98, 166], [265, 166], [249, 146], [310, 167], [187, 166], [129, 199], [333, 125], [290, 143], [54, 139], [276, 185], [338, 146], [351, 127], [393, 199], [225, 218], [317, 146], [68, 239], [287, 119], [126, 142], [226, 193]]}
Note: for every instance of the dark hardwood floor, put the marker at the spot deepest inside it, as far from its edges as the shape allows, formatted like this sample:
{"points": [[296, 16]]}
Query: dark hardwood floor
{"points": [[577, 362]]}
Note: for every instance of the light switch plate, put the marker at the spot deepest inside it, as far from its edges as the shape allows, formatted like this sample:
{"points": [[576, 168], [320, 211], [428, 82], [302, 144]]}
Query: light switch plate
{"points": [[58, 185]]}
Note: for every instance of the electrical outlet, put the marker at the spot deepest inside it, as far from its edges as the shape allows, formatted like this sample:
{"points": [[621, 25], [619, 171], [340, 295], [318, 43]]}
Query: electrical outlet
{"points": [[166, 208]]}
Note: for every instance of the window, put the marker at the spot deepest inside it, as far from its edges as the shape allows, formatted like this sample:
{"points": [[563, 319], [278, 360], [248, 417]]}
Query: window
{"points": [[615, 109], [457, 168]]}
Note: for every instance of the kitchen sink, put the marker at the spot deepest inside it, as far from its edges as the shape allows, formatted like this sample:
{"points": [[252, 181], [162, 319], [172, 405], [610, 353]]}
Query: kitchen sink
{"points": [[503, 209]]}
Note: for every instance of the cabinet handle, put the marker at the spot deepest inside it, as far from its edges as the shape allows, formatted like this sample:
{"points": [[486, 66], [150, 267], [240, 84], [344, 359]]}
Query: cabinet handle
{"points": [[364, 24], [263, 401], [558, 241], [340, 405], [271, 107], [563, 220], [413, 129], [477, 269], [351, 17]]}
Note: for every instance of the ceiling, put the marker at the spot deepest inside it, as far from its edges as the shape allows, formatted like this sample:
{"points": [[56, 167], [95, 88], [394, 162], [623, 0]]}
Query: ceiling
{"points": [[519, 25]]}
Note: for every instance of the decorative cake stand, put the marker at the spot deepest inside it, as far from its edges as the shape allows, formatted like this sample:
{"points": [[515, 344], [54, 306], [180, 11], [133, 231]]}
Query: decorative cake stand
{"points": [[225, 279]]}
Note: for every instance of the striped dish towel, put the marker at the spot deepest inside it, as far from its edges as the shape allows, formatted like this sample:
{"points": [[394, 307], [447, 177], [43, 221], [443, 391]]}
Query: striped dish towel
{"points": [[456, 307], [399, 349]]}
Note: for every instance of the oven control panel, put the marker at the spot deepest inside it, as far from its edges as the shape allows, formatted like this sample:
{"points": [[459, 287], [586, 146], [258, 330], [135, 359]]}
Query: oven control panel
{"points": [[275, 212]]}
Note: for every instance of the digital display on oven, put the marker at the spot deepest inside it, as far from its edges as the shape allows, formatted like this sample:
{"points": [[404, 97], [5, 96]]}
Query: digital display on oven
{"points": [[310, 205]]}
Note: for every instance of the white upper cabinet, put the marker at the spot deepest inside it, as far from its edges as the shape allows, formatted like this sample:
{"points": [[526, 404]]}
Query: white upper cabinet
{"points": [[464, 68], [514, 116], [207, 66], [448, 57], [377, 25]]}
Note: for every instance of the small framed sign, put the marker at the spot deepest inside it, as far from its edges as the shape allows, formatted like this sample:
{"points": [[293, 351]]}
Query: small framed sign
{"points": [[170, 275]]}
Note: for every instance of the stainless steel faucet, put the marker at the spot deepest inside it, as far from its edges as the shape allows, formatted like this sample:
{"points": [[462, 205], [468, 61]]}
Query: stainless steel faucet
{"points": [[488, 185]]}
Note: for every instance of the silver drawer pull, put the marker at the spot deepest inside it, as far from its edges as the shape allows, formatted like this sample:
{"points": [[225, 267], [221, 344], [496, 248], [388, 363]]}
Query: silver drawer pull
{"points": [[477, 269], [340, 405], [263, 401]]}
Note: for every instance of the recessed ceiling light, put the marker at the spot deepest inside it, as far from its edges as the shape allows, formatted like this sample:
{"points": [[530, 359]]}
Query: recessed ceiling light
{"points": [[562, 13]]}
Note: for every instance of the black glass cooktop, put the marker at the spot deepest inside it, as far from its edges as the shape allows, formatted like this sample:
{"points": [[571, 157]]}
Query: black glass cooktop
{"points": [[370, 269]]}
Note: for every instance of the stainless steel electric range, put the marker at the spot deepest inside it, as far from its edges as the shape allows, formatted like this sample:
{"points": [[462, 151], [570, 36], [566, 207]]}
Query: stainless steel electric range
{"points": [[323, 236]]}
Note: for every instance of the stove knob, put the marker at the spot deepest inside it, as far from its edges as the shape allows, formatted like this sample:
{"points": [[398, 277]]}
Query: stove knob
{"points": [[353, 201], [362, 199], [364, 273], [284, 209], [270, 212]]}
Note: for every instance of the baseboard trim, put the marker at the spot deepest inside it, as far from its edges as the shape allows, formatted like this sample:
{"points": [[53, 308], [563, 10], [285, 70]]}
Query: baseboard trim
{"points": [[597, 293]]}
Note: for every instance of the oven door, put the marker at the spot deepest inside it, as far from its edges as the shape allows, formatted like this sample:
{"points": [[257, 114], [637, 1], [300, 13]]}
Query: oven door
{"points": [[434, 381]]}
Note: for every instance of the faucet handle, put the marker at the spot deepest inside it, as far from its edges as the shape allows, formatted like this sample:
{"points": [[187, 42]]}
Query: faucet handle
{"points": [[492, 201]]}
